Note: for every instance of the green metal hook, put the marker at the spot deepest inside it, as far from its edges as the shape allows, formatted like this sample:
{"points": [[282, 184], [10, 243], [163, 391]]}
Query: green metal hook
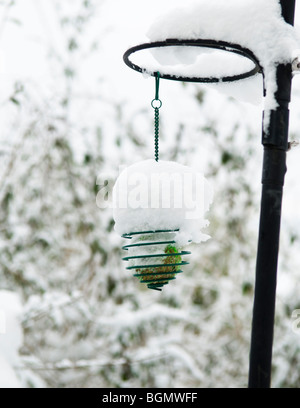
{"points": [[157, 78]]}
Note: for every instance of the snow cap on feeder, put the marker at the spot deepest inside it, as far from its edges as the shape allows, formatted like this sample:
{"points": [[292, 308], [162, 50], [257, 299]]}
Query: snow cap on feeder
{"points": [[160, 206]]}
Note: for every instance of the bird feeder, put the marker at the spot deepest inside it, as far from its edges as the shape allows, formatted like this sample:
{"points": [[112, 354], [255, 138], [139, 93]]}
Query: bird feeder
{"points": [[163, 220], [260, 34]]}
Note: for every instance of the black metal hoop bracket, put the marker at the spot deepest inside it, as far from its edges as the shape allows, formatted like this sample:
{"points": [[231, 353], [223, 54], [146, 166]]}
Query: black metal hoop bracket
{"points": [[220, 45]]}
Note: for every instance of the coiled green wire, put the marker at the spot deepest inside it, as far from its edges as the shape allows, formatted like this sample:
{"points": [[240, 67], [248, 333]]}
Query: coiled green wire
{"points": [[155, 270]]}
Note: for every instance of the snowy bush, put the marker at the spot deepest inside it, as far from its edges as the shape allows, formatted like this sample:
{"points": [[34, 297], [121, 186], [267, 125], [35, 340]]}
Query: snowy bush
{"points": [[86, 321]]}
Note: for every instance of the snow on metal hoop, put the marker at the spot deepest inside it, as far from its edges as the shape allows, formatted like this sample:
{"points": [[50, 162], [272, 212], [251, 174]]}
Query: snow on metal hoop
{"points": [[219, 45]]}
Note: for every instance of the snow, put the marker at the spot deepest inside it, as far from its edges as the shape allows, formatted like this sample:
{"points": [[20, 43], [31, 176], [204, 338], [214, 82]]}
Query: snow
{"points": [[11, 339], [150, 195], [194, 62], [131, 318], [253, 24], [110, 326]]}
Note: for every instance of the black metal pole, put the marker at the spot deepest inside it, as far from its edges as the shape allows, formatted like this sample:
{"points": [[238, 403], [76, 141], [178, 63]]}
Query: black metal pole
{"points": [[275, 142]]}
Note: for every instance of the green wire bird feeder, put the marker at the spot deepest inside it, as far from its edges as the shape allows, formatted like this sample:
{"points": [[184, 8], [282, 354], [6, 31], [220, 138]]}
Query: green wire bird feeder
{"points": [[155, 269], [161, 261]]}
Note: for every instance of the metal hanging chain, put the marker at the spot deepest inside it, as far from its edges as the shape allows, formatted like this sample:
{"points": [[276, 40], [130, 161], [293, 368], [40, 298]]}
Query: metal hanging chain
{"points": [[156, 105]]}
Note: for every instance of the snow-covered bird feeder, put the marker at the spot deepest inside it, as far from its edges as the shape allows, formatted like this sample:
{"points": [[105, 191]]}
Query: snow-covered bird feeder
{"points": [[160, 206], [254, 45]]}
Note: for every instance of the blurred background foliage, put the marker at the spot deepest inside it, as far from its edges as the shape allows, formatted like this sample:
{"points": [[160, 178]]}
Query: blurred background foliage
{"points": [[86, 321]]}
